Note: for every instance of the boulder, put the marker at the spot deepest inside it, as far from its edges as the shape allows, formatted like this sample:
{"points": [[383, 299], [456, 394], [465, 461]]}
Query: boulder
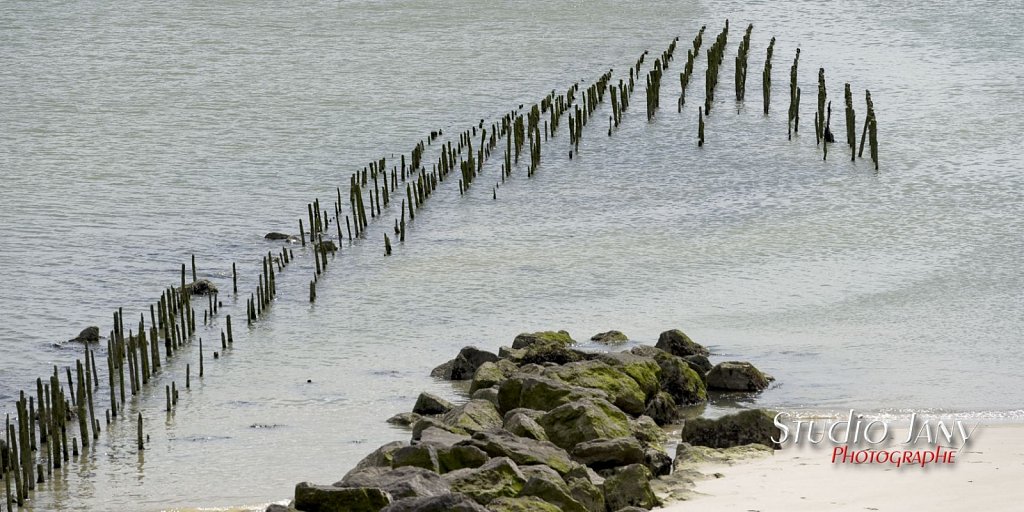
{"points": [[201, 287], [454, 502], [622, 390], [464, 366], [736, 376], [647, 431], [630, 487], [491, 374], [525, 339], [455, 457], [430, 422], [546, 353], [521, 450], [523, 425], [699, 363], [417, 455], [489, 394], [662, 409], [657, 461], [552, 490], [474, 416], [90, 334], [609, 453], [679, 380], [440, 438], [274, 235], [522, 504], [644, 370], [751, 426], [328, 498], [428, 403], [610, 337], [584, 420], [688, 456], [677, 343], [404, 419], [277, 507], [540, 393], [381, 457], [586, 493], [499, 477], [402, 482]]}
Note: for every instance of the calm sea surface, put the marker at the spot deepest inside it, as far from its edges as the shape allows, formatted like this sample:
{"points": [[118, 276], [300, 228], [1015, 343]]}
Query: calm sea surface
{"points": [[135, 134]]}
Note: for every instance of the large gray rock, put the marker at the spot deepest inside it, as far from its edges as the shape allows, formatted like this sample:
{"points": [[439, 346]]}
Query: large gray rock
{"points": [[622, 390], [677, 343], [497, 478], [90, 334], [403, 482], [474, 416], [528, 339], [552, 490], [489, 394], [523, 451], [328, 498], [610, 338], [439, 437], [428, 403], [404, 419], [609, 453], [464, 366], [455, 502], [455, 457], [523, 425], [418, 455], [751, 426], [426, 422], [491, 374], [663, 409], [630, 487], [586, 493], [381, 457], [540, 393], [584, 420], [736, 376]]}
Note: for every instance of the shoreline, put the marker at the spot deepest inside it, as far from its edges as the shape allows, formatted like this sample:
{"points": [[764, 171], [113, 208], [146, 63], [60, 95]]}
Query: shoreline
{"points": [[801, 478]]}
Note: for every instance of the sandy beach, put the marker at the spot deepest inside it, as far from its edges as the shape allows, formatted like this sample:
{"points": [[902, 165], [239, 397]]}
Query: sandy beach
{"points": [[799, 478]]}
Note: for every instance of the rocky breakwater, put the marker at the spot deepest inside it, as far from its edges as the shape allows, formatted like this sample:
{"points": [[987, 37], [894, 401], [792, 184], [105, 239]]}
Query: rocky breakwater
{"points": [[546, 427]]}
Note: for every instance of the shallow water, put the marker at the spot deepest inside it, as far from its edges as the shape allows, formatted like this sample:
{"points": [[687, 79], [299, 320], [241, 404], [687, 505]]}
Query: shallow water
{"points": [[134, 135]]}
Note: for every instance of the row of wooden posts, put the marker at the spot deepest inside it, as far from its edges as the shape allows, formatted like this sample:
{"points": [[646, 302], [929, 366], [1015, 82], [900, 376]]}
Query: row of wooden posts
{"points": [[42, 421]]}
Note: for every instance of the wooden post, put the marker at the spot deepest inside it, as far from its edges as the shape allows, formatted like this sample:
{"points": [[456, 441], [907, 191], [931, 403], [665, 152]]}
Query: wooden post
{"points": [[139, 434]]}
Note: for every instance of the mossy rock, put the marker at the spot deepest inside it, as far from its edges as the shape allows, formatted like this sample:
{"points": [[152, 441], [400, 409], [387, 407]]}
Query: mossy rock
{"points": [[427, 422], [403, 482], [327, 498], [428, 403], [680, 381], [622, 390], [522, 450], [737, 376], [540, 393], [528, 339], [630, 487], [451, 458], [688, 455], [644, 370], [584, 420], [662, 409], [548, 352], [489, 394], [499, 477], [454, 502], [647, 431], [474, 416], [612, 337], [609, 453], [381, 457], [552, 490], [751, 426], [404, 419], [417, 455], [586, 493], [677, 343], [491, 374], [523, 425], [523, 504]]}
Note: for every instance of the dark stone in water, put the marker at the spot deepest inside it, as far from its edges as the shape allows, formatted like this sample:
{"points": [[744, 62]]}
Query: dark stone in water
{"points": [[752, 426], [201, 287], [274, 235], [90, 334]]}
